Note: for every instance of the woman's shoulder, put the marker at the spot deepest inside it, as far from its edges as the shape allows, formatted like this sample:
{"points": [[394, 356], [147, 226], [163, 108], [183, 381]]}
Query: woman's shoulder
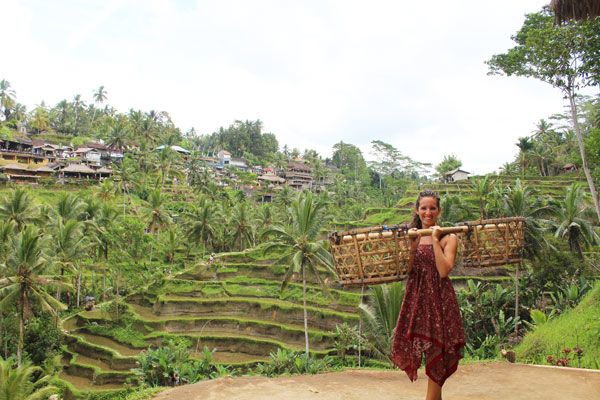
{"points": [[449, 238]]}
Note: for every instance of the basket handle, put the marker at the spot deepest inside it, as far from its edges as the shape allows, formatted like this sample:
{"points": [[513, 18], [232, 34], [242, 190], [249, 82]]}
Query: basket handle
{"points": [[445, 231]]}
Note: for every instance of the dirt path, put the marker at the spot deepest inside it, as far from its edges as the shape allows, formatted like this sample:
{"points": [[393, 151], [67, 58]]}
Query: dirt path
{"points": [[481, 381]]}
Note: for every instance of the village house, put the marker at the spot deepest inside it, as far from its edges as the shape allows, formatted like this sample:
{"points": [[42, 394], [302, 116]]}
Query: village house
{"points": [[89, 156], [20, 150], [456, 175], [299, 175]]}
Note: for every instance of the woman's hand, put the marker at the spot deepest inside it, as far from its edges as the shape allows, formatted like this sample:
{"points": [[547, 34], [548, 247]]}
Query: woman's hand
{"points": [[436, 232], [414, 241]]}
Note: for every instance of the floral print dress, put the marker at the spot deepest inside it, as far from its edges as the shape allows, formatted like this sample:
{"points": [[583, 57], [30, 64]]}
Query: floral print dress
{"points": [[429, 322]]}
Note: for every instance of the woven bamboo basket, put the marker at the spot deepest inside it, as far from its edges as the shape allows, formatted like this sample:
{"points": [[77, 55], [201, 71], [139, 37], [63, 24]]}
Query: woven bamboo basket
{"points": [[380, 254]]}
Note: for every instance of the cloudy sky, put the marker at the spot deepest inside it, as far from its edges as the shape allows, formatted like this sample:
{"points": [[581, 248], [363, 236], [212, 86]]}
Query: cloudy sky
{"points": [[315, 72]]}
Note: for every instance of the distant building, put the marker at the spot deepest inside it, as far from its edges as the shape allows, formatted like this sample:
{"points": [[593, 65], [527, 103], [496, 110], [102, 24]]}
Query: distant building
{"points": [[89, 155], [177, 149], [298, 175], [456, 175], [224, 158]]}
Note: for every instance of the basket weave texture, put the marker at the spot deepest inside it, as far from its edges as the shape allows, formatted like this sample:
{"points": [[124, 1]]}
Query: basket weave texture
{"points": [[380, 254]]}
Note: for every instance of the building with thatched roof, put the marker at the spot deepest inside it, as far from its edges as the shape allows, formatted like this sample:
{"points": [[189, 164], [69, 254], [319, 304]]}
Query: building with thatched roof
{"points": [[20, 150], [21, 173], [298, 175], [566, 10]]}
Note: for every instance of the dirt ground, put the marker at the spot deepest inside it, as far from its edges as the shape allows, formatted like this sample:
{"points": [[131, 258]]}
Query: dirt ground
{"points": [[481, 381]]}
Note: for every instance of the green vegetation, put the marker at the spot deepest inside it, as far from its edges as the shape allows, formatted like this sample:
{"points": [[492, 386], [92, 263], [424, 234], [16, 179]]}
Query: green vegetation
{"points": [[572, 336], [172, 271]]}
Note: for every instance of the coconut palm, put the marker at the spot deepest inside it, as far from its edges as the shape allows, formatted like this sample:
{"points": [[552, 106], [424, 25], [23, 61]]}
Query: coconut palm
{"points": [[525, 145], [521, 201], [454, 209], [7, 231], [158, 216], [19, 383], [242, 226], [202, 223], [298, 243], [24, 282], [380, 315], [69, 206], [482, 188], [69, 244], [18, 207], [573, 220]]}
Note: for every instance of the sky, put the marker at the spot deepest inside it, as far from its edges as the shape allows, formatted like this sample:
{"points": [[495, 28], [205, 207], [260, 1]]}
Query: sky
{"points": [[411, 74]]}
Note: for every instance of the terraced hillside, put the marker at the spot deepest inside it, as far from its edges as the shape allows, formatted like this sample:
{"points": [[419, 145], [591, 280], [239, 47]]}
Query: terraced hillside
{"points": [[553, 186], [234, 306]]}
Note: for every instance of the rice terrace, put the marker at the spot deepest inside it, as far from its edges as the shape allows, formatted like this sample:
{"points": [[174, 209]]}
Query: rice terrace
{"points": [[359, 237]]}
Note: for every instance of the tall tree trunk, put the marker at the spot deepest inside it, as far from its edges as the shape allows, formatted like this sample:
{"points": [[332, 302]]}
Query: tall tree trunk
{"points": [[305, 312], [20, 344], [78, 288], [584, 161]]}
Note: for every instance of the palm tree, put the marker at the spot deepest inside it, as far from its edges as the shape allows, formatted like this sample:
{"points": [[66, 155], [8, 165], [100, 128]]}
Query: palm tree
{"points": [[24, 282], [18, 383], [118, 137], [521, 201], [242, 225], [158, 216], [482, 187], [573, 217], [202, 223], [99, 98], [7, 98], [69, 245], [69, 206], [454, 210], [18, 207], [381, 315], [525, 145], [300, 247]]}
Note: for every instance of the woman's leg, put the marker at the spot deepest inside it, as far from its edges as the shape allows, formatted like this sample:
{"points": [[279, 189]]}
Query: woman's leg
{"points": [[434, 391]]}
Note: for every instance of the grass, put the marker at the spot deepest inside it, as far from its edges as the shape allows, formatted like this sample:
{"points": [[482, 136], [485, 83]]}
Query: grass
{"points": [[576, 327], [264, 304]]}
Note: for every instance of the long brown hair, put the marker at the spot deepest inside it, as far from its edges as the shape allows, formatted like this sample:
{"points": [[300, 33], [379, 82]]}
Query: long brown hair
{"points": [[416, 222]]}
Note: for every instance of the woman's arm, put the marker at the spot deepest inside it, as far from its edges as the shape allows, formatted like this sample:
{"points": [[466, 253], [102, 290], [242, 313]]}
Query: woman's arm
{"points": [[414, 244], [445, 253]]}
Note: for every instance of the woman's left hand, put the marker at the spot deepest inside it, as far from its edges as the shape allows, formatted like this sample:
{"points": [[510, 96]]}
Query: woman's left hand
{"points": [[436, 232]]}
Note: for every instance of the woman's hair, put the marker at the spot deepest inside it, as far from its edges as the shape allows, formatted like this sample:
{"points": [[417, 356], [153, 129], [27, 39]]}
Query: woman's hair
{"points": [[416, 222]]}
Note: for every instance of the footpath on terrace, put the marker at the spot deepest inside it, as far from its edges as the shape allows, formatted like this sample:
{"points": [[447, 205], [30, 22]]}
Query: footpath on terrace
{"points": [[479, 381]]}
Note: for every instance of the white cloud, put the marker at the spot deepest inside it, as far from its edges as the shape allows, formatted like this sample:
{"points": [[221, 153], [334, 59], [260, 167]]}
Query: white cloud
{"points": [[315, 72]]}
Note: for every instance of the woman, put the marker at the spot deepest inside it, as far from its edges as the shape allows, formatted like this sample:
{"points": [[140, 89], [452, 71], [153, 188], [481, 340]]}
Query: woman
{"points": [[429, 320]]}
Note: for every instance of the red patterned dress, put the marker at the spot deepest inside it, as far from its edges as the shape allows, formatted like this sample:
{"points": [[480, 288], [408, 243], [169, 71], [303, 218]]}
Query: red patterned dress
{"points": [[429, 322]]}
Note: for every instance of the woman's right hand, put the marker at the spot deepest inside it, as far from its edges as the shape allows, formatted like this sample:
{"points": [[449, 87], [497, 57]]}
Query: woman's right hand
{"points": [[414, 240]]}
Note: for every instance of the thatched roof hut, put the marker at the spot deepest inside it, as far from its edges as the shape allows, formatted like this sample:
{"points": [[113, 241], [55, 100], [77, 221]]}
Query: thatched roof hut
{"points": [[565, 10]]}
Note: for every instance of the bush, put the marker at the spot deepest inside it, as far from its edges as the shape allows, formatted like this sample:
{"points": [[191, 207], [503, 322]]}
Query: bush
{"points": [[172, 365], [285, 362]]}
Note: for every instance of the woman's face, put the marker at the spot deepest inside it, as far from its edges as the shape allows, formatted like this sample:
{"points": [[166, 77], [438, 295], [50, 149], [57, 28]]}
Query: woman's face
{"points": [[428, 211]]}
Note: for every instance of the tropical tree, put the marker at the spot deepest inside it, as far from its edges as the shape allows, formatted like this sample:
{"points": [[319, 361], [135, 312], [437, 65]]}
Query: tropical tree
{"points": [[7, 99], [553, 53], [521, 201], [449, 163], [69, 244], [572, 220], [18, 206], [24, 382], [24, 283], [482, 188], [242, 227], [525, 146], [380, 315], [69, 206], [202, 223], [302, 251]]}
